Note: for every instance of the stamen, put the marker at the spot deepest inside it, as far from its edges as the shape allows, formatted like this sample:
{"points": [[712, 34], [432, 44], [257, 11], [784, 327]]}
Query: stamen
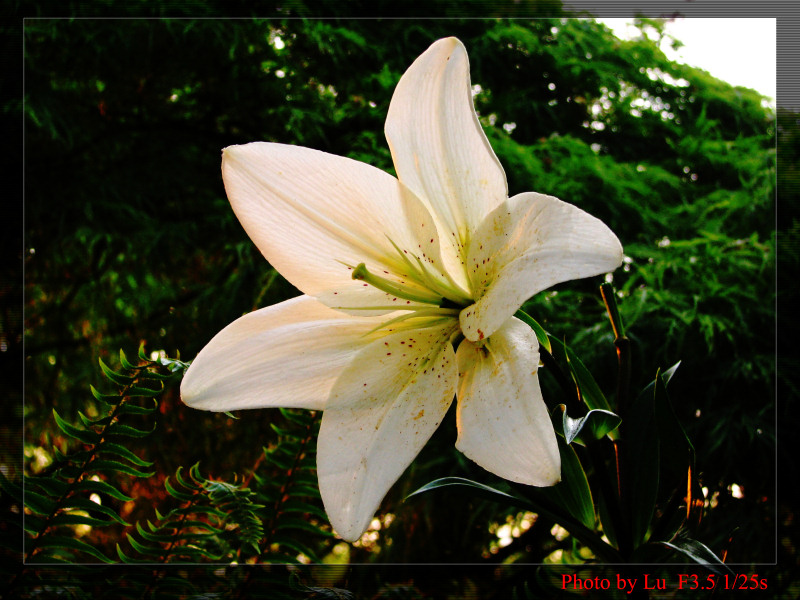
{"points": [[439, 286], [433, 280], [424, 318]]}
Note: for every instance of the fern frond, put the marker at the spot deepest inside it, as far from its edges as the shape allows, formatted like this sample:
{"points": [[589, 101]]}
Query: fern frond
{"points": [[216, 520], [80, 490], [296, 526]]}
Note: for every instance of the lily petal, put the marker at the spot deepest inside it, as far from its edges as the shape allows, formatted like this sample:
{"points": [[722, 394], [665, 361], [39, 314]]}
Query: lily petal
{"points": [[438, 146], [313, 214], [382, 411], [245, 364], [526, 245], [503, 423]]}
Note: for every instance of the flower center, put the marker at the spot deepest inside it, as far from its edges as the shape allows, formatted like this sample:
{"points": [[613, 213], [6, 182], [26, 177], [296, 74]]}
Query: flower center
{"points": [[425, 296], [418, 282]]}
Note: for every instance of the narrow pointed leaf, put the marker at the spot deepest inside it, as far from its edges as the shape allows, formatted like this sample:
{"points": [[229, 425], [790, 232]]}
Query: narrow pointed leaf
{"points": [[122, 451], [137, 390], [699, 553], [37, 503], [127, 559], [112, 466], [677, 452], [161, 538], [541, 334], [534, 501], [123, 360], [102, 487], [175, 493], [143, 548], [32, 524], [591, 394], [128, 431], [76, 519], [114, 376], [285, 523], [70, 543], [132, 409], [83, 435], [590, 391], [49, 485], [106, 402], [91, 507], [642, 453], [572, 492], [88, 422]]}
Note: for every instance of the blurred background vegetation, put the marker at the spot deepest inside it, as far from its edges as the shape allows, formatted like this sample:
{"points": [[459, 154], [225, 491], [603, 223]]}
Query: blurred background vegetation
{"points": [[129, 237]]}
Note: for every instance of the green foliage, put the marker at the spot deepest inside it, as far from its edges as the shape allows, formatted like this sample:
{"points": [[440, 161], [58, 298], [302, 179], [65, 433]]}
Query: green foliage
{"points": [[275, 518], [80, 488], [129, 238], [215, 521], [274, 515]]}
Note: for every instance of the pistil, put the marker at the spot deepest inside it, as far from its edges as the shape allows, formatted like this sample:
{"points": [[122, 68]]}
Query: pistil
{"points": [[361, 273]]}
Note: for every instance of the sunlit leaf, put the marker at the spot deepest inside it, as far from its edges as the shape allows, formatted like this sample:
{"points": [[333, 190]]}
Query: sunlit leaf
{"points": [[599, 423], [698, 552]]}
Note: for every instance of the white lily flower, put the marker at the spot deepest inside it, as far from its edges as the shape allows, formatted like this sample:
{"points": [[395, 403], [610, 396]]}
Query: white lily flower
{"points": [[410, 286]]}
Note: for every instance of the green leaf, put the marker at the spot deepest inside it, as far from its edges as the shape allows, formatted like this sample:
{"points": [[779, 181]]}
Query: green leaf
{"points": [[541, 334], [698, 552], [666, 377], [293, 505], [75, 519], [33, 525], [143, 391], [128, 431], [118, 378], [132, 409], [101, 487], [572, 493], [281, 431], [641, 450], [534, 501], [39, 504], [590, 392], [161, 538], [302, 418], [90, 506], [122, 451], [483, 490], [285, 523], [70, 543], [293, 544], [88, 422], [143, 548], [49, 485], [83, 435], [599, 423], [107, 401], [176, 493], [113, 466], [123, 360], [677, 452], [127, 559]]}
